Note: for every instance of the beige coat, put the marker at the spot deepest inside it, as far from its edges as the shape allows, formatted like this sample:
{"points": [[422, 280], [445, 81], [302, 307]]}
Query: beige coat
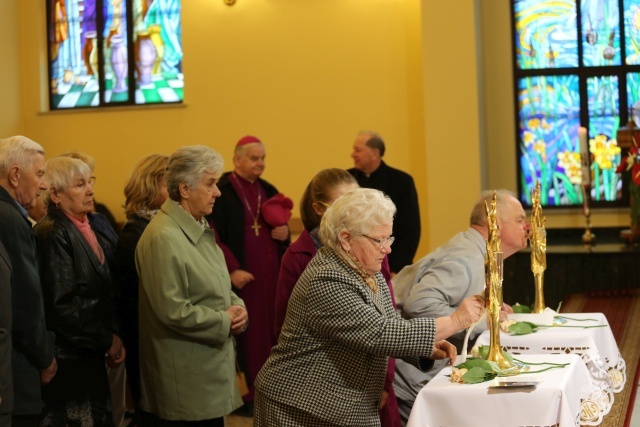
{"points": [[187, 363]]}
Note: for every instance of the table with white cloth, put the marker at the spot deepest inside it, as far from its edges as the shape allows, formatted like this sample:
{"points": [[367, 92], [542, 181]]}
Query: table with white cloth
{"points": [[596, 345], [561, 399]]}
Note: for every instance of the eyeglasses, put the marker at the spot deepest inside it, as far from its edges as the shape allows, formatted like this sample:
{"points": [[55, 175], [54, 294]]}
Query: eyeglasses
{"points": [[381, 242], [326, 205], [92, 181]]}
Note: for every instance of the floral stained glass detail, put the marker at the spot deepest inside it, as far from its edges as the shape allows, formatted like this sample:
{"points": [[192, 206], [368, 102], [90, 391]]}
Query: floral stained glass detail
{"points": [[601, 32], [549, 150], [546, 34], [604, 121]]}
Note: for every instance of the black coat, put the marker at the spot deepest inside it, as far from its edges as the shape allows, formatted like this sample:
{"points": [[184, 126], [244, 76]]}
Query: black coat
{"points": [[6, 382], [129, 287], [400, 188], [32, 344], [227, 218], [77, 289]]}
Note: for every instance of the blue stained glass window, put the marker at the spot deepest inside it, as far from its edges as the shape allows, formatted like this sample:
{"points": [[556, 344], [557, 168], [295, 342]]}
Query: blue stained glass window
{"points": [[633, 94], [580, 81], [546, 34], [604, 121], [548, 131], [96, 59], [601, 32]]}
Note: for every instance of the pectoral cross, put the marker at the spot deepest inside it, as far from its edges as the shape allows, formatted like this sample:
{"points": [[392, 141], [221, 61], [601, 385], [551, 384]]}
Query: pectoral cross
{"points": [[256, 227]]}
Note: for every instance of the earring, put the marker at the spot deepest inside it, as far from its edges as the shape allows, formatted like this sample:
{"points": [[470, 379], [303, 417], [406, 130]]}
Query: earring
{"points": [[58, 205]]}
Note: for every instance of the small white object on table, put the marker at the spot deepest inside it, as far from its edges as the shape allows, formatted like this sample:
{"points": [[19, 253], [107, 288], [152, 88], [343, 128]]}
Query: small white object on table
{"points": [[562, 396]]}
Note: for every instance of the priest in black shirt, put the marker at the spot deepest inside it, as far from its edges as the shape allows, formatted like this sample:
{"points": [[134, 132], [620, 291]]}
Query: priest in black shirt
{"points": [[372, 172]]}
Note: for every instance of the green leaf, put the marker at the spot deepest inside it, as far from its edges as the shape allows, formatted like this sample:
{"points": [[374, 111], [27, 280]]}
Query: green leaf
{"points": [[522, 328], [521, 309], [474, 375]]}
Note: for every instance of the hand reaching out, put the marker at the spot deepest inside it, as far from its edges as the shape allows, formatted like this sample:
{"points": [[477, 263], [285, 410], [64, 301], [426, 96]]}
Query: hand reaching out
{"points": [[444, 349], [469, 311]]}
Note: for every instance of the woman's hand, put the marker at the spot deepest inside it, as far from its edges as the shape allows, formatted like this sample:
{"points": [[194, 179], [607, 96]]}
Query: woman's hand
{"points": [[505, 311], [117, 353], [239, 278], [239, 319], [383, 399], [444, 349], [280, 233], [47, 374], [468, 312]]}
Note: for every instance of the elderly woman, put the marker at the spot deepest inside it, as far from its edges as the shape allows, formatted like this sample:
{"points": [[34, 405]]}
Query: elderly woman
{"points": [[144, 193], [329, 366], [78, 297], [324, 189], [188, 312]]}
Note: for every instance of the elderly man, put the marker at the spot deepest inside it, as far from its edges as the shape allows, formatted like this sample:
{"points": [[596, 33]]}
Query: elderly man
{"points": [[22, 168], [372, 172], [252, 249], [435, 285]]}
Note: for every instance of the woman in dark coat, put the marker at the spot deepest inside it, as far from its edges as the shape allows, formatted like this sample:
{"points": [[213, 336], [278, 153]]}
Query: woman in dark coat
{"points": [[145, 192], [78, 297]]}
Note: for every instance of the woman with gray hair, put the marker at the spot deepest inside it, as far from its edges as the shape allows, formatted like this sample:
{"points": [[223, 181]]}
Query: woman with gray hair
{"points": [[77, 286], [329, 366], [188, 312]]}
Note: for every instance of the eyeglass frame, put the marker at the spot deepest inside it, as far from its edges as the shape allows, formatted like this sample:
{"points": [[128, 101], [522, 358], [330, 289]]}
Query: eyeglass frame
{"points": [[381, 242]]}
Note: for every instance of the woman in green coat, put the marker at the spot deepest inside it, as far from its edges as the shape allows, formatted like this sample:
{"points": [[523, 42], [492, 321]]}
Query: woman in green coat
{"points": [[188, 313]]}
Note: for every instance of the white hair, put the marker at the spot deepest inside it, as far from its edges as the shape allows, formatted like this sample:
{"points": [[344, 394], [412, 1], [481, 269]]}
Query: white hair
{"points": [[188, 165], [17, 151], [358, 211]]}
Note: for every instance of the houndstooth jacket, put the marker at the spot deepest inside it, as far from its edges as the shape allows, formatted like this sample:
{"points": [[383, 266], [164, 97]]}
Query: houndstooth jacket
{"points": [[331, 357]]}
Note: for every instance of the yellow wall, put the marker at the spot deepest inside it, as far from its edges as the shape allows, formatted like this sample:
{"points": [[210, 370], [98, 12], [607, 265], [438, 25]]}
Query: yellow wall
{"points": [[434, 78], [10, 102]]}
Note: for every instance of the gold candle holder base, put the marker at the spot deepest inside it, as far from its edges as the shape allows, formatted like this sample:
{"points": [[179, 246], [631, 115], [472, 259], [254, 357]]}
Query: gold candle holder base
{"points": [[588, 237]]}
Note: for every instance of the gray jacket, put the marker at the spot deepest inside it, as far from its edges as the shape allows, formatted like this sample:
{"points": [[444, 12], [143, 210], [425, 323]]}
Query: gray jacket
{"points": [[434, 287]]}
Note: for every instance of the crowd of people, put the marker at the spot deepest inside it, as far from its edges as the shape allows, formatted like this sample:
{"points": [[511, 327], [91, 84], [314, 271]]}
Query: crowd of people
{"points": [[203, 283]]}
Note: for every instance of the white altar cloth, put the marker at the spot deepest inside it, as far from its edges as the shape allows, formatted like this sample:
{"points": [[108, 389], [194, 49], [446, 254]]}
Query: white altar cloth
{"points": [[557, 401], [596, 346]]}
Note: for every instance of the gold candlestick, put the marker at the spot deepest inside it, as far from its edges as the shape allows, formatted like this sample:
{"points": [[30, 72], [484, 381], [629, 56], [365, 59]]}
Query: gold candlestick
{"points": [[538, 242], [588, 237], [493, 292]]}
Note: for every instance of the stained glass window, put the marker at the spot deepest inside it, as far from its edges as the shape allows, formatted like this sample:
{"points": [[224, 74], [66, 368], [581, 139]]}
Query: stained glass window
{"points": [[573, 69], [114, 52]]}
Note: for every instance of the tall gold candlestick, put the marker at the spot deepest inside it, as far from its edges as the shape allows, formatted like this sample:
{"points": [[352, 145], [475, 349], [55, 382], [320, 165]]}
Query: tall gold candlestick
{"points": [[588, 237], [493, 292], [538, 242]]}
